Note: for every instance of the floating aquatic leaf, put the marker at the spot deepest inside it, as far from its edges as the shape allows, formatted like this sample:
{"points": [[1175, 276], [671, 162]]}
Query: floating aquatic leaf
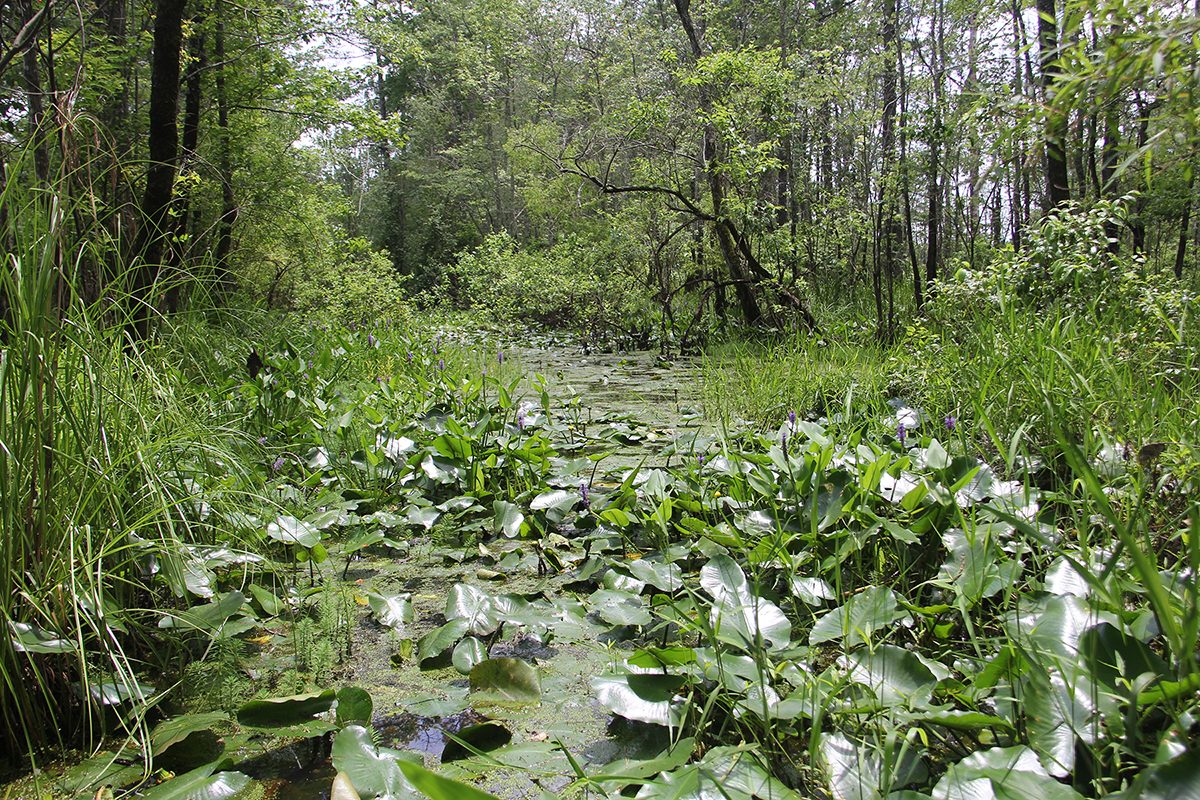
{"points": [[467, 653], [646, 698], [289, 530], [374, 771], [175, 730], [473, 606], [280, 711], [354, 705], [200, 784], [508, 518], [508, 680], [484, 737], [897, 676], [392, 610], [436, 642], [620, 608]]}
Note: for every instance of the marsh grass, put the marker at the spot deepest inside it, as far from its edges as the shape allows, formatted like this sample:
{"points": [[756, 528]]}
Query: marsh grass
{"points": [[107, 476]]}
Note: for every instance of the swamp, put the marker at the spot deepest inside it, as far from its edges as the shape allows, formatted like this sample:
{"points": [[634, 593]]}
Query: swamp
{"points": [[467, 399]]}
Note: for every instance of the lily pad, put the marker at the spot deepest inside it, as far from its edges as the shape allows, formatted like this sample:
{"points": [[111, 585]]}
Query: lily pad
{"points": [[200, 784], [280, 711], [373, 770], [507, 680], [645, 698], [175, 730], [392, 610]]}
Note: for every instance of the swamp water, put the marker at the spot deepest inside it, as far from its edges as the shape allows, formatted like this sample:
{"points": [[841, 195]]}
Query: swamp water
{"points": [[549, 618]]}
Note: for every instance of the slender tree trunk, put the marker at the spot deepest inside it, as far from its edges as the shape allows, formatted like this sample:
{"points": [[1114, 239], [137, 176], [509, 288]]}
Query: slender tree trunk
{"points": [[887, 226], [32, 78], [229, 209], [711, 158]]}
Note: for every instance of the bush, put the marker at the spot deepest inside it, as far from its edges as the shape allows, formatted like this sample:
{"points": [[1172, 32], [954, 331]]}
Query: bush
{"points": [[570, 285]]}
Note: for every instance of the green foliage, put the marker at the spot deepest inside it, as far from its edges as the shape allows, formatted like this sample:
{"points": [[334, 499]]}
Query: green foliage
{"points": [[570, 285]]}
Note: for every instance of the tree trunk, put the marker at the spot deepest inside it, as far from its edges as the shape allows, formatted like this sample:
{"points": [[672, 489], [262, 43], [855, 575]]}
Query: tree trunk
{"points": [[163, 144], [887, 226], [229, 209], [1057, 185], [727, 237]]}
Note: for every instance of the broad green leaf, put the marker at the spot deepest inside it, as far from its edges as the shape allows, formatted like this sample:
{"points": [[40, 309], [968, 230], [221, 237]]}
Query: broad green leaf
{"points": [[374, 771], [473, 606], [200, 784], [813, 591], [483, 737], [176, 729], [436, 642], [620, 608], [209, 617], [659, 657], [646, 698], [354, 704], [862, 615], [507, 519], [289, 530], [271, 605], [897, 676], [29, 638], [392, 610], [508, 680], [857, 768], [279, 711], [467, 653], [667, 577]]}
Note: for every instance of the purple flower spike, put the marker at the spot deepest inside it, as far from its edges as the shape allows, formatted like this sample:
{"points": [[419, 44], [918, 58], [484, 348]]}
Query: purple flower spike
{"points": [[901, 432], [410, 358], [278, 465], [520, 422], [951, 423], [441, 363], [583, 495], [500, 356], [370, 340], [792, 418]]}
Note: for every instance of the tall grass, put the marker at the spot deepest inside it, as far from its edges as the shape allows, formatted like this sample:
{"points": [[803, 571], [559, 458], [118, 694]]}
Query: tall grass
{"points": [[101, 468]]}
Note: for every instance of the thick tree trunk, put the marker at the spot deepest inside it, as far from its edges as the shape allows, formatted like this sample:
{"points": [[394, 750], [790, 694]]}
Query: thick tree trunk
{"points": [[163, 144], [1057, 184]]}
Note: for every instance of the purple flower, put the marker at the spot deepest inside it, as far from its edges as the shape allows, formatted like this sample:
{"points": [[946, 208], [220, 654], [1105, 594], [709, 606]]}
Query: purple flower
{"points": [[441, 363], [278, 464], [583, 495], [262, 440], [500, 356], [792, 418], [521, 421], [436, 344], [901, 432], [410, 358], [483, 372], [370, 340], [951, 423], [700, 461], [785, 450]]}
